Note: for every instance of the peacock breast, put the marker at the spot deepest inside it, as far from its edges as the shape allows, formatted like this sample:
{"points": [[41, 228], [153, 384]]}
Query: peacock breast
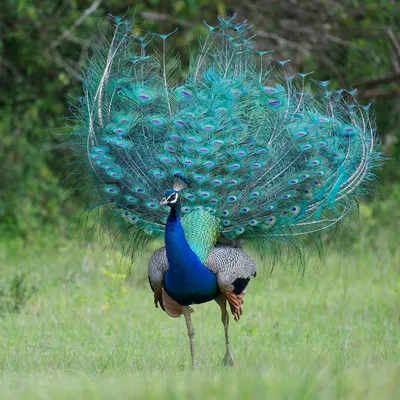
{"points": [[193, 285]]}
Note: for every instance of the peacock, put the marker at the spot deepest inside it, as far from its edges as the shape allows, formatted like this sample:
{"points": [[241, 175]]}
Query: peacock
{"points": [[239, 152]]}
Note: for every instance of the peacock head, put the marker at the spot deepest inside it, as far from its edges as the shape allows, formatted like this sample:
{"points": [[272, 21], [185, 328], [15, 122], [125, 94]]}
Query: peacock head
{"points": [[171, 198]]}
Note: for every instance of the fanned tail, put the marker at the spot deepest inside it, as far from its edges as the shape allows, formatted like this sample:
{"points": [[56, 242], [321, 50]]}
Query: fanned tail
{"points": [[272, 156], [122, 124]]}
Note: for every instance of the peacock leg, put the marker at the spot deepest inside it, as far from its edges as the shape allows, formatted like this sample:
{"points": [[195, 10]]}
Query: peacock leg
{"points": [[228, 360], [186, 312]]}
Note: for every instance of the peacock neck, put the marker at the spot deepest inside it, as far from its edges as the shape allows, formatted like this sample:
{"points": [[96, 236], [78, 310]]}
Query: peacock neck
{"points": [[174, 216], [179, 254]]}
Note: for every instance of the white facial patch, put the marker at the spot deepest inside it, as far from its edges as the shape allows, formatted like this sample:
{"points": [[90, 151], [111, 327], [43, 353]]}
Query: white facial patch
{"points": [[172, 198]]}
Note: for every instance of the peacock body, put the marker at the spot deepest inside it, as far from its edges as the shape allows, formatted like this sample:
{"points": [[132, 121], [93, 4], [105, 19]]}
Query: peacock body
{"points": [[240, 151], [187, 280]]}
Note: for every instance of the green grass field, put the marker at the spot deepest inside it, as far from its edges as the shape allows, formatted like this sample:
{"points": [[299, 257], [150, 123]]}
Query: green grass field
{"points": [[333, 334]]}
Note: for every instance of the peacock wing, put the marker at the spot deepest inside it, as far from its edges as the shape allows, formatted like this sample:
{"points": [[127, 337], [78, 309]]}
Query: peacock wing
{"points": [[158, 266], [233, 267]]}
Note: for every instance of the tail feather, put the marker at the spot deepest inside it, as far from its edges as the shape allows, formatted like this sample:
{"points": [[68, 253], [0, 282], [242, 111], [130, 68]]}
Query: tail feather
{"points": [[272, 156]]}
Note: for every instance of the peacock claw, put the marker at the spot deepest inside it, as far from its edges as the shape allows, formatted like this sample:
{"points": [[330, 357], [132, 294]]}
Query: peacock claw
{"points": [[228, 361]]}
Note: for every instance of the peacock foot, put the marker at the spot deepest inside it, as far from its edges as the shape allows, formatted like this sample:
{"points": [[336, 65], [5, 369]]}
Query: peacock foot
{"points": [[228, 360]]}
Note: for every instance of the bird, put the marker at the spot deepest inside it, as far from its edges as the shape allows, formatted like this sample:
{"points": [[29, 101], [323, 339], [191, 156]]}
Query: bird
{"points": [[241, 152]]}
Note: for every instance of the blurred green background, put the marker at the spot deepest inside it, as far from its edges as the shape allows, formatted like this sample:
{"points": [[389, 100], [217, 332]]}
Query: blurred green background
{"points": [[44, 45]]}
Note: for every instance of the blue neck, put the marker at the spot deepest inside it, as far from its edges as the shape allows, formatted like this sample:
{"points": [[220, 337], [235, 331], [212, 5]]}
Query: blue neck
{"points": [[178, 249], [174, 215], [187, 280]]}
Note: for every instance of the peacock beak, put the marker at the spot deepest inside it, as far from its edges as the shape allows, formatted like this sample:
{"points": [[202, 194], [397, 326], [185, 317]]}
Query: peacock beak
{"points": [[163, 201]]}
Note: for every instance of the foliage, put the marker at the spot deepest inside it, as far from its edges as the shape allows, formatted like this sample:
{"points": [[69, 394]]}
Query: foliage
{"points": [[15, 292], [44, 44]]}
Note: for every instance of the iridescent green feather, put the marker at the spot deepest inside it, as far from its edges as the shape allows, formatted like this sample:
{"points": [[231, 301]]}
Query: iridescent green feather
{"points": [[270, 157], [201, 232]]}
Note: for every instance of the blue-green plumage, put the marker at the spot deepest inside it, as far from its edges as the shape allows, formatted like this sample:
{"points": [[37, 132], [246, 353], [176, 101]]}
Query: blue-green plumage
{"points": [[270, 157]]}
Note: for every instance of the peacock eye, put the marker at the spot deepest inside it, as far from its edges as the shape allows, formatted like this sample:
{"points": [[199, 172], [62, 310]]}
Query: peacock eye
{"points": [[172, 198]]}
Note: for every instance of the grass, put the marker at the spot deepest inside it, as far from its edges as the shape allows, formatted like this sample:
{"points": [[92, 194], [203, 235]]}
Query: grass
{"points": [[80, 333]]}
